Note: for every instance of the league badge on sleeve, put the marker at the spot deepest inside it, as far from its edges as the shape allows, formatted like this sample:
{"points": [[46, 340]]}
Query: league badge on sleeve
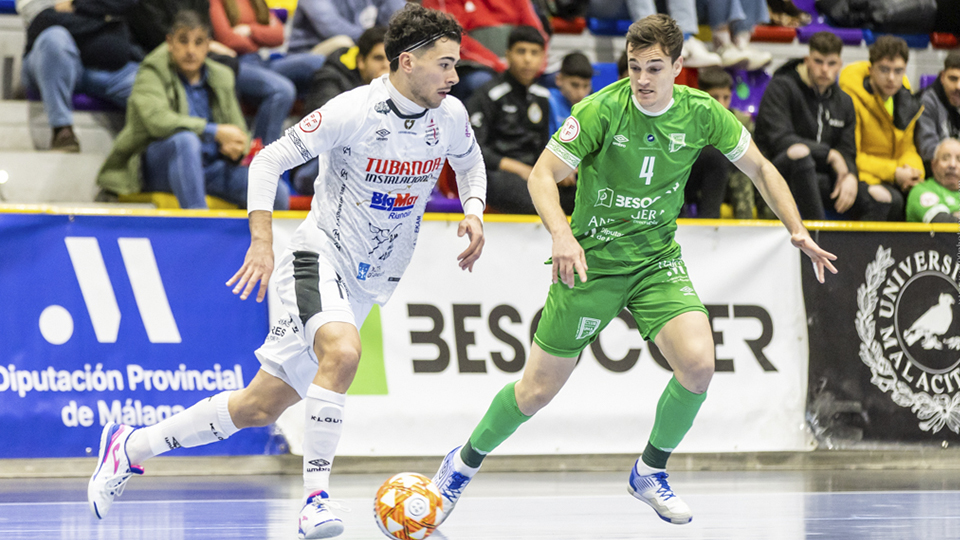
{"points": [[311, 122], [570, 130]]}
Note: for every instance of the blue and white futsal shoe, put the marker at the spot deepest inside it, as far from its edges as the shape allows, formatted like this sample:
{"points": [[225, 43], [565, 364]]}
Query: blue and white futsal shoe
{"points": [[654, 490], [113, 469], [450, 483], [317, 519]]}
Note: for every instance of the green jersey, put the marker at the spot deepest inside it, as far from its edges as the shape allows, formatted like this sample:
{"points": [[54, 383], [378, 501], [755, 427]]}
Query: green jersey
{"points": [[633, 166], [929, 198]]}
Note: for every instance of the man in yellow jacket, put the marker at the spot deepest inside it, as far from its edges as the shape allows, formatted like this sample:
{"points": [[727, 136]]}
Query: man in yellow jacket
{"points": [[886, 116]]}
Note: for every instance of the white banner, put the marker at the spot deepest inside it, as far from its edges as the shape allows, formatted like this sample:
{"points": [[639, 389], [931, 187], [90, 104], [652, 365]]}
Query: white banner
{"points": [[452, 339]]}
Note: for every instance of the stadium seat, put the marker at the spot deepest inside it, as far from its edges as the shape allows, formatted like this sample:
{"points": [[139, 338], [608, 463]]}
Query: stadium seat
{"points": [[604, 74], [849, 36], [748, 87], [8, 6], [943, 40], [168, 201], [441, 203], [300, 202], [608, 27], [573, 26], [773, 34], [82, 102], [926, 80], [914, 41]]}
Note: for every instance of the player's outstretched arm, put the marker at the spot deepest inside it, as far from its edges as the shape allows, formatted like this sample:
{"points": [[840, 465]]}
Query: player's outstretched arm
{"points": [[775, 191], [568, 256], [258, 263], [471, 226]]}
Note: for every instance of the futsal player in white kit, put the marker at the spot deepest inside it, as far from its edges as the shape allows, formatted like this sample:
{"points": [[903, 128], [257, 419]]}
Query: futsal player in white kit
{"points": [[382, 147]]}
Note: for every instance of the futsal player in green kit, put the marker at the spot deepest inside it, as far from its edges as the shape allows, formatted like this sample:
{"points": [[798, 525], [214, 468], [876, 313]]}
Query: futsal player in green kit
{"points": [[633, 144]]}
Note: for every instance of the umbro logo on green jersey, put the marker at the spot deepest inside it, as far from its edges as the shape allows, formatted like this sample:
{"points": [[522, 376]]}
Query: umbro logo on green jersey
{"points": [[620, 141]]}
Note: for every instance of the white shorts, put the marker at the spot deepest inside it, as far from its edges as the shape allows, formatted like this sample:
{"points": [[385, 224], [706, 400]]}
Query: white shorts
{"points": [[312, 294]]}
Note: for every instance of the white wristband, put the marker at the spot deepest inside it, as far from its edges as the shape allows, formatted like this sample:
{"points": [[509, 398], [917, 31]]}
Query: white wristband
{"points": [[473, 207]]}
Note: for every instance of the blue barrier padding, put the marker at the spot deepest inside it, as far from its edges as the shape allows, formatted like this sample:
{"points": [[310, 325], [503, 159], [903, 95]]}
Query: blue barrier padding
{"points": [[127, 319]]}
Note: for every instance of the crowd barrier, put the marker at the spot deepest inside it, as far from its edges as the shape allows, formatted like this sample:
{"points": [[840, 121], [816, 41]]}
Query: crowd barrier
{"points": [[127, 318]]}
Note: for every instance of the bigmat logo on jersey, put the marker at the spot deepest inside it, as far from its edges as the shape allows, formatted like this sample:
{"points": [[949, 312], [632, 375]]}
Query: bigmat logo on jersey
{"points": [[452, 339], [885, 339], [119, 319]]}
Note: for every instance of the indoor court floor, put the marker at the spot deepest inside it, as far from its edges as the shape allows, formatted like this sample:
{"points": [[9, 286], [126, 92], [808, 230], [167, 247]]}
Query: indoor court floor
{"points": [[847, 505]]}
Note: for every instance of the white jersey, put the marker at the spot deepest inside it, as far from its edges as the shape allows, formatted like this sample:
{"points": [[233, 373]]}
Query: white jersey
{"points": [[380, 156]]}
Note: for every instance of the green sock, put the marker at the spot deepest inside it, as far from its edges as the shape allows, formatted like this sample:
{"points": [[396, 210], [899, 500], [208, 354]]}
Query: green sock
{"points": [[675, 413], [502, 419]]}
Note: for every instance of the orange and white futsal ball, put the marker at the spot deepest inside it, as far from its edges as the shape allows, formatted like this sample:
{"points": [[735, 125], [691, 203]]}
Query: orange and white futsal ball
{"points": [[408, 506]]}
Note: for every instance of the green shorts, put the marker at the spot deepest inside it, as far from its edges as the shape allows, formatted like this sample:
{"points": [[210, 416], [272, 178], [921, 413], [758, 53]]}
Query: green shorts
{"points": [[573, 318]]}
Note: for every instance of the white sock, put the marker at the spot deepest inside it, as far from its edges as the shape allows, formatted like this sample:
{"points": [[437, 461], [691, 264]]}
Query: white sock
{"points": [[742, 40], [463, 468], [645, 470], [206, 422], [721, 38], [323, 426]]}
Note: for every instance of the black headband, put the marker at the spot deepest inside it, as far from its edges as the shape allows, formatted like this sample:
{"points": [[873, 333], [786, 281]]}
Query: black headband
{"points": [[420, 43]]}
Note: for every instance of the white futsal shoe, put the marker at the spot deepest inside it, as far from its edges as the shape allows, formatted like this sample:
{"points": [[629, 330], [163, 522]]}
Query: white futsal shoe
{"points": [[317, 519], [450, 483], [113, 469], [654, 490]]}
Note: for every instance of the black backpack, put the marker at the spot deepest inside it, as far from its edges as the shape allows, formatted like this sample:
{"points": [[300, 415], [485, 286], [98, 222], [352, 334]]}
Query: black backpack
{"points": [[894, 16]]}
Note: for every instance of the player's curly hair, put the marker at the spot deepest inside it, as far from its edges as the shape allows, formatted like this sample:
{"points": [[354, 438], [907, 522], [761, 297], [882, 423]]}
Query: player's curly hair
{"points": [[417, 28], [658, 29]]}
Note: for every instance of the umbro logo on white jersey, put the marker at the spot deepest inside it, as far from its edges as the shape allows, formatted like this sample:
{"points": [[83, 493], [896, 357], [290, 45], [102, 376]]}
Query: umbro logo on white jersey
{"points": [[382, 134]]}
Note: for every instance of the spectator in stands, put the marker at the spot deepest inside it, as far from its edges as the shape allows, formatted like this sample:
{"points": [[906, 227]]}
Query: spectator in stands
{"points": [[245, 26], [887, 113], [510, 117], [488, 24], [713, 179], [323, 26], [941, 109], [574, 82], [183, 132], [732, 22], [695, 53], [806, 126], [344, 70], [76, 49], [150, 20], [937, 200]]}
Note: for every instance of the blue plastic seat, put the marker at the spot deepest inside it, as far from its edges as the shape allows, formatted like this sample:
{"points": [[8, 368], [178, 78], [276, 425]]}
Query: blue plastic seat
{"points": [[608, 27], [914, 41]]}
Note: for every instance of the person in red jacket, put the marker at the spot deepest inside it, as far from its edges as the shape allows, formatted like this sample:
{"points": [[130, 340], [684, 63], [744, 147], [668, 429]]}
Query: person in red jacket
{"points": [[246, 26]]}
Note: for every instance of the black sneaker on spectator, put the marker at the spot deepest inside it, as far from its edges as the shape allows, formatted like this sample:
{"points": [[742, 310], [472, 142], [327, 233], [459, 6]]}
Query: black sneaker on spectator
{"points": [[64, 140]]}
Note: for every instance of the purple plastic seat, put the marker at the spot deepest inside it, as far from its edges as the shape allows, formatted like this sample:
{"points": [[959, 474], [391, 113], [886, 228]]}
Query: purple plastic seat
{"points": [[81, 102], [849, 36], [927, 80], [748, 87], [440, 203]]}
